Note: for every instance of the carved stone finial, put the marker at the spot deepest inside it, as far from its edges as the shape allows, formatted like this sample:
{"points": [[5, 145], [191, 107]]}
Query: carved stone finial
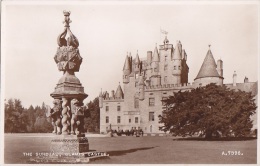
{"points": [[67, 56], [67, 20]]}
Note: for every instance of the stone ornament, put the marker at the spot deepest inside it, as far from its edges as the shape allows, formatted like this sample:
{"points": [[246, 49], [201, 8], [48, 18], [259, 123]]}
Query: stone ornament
{"points": [[67, 56], [69, 90]]}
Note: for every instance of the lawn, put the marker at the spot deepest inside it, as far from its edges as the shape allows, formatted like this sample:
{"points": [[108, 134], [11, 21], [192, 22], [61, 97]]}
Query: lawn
{"points": [[140, 150]]}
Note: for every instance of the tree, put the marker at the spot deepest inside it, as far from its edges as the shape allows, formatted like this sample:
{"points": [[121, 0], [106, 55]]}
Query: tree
{"points": [[210, 110], [91, 123], [15, 118]]}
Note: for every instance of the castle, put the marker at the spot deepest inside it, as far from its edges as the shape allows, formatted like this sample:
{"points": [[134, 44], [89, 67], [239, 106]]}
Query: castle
{"points": [[146, 82]]}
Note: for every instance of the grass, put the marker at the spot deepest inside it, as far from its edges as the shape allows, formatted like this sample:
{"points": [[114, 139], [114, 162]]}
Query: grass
{"points": [[140, 150]]}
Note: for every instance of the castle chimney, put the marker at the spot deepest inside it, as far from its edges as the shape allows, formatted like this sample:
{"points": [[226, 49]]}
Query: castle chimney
{"points": [[113, 94], [246, 80], [235, 79], [149, 57]]}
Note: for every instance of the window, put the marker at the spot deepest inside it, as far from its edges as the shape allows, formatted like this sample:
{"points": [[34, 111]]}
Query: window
{"points": [[136, 84], [136, 76], [174, 67], [163, 102], [165, 58], [136, 103], [136, 119], [155, 69], [118, 108], [129, 120], [107, 119], [179, 67], [151, 116], [151, 101], [118, 119], [107, 108], [165, 67]]}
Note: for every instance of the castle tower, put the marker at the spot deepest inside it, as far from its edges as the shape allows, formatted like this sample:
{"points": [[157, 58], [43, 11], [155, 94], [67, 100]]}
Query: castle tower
{"points": [[126, 70], [208, 72], [177, 63]]}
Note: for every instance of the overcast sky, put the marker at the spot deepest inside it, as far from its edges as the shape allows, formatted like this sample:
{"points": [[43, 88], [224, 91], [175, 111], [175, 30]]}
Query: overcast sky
{"points": [[107, 31]]}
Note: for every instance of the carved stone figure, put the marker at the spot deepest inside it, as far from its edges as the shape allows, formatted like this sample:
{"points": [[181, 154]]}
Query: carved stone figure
{"points": [[55, 114], [77, 118]]}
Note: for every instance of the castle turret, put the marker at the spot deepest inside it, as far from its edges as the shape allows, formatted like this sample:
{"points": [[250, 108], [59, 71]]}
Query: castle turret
{"points": [[141, 87], [208, 72], [100, 98], [126, 70], [155, 77], [155, 62], [220, 67], [177, 63], [119, 93], [235, 79], [137, 64]]}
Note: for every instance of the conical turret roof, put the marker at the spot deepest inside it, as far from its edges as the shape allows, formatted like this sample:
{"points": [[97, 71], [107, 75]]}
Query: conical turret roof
{"points": [[155, 55], [208, 68], [137, 59], [127, 63], [177, 51], [119, 93]]}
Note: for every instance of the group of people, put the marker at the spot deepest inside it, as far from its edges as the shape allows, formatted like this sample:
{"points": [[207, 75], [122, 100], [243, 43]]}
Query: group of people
{"points": [[133, 132]]}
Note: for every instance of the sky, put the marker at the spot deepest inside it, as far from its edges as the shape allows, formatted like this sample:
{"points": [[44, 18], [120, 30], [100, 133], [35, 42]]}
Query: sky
{"points": [[108, 30]]}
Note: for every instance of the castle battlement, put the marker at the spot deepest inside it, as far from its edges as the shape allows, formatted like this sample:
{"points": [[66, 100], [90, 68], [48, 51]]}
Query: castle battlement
{"points": [[171, 86]]}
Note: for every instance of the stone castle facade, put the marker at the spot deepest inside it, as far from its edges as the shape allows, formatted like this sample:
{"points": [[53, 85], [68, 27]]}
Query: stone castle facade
{"points": [[146, 82]]}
